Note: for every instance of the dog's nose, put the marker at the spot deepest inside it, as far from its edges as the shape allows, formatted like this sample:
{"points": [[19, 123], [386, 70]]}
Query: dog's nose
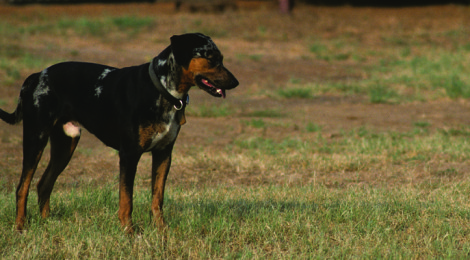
{"points": [[234, 82]]}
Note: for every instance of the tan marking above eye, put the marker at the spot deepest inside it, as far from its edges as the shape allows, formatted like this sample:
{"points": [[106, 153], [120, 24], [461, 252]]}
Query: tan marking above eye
{"points": [[198, 64]]}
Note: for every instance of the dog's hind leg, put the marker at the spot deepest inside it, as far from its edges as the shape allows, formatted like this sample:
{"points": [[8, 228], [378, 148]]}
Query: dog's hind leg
{"points": [[64, 140], [33, 146]]}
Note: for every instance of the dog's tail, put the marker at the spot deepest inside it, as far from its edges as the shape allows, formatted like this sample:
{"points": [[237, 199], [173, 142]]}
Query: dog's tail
{"points": [[13, 118], [17, 116]]}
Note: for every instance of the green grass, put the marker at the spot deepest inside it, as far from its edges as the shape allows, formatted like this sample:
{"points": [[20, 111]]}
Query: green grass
{"points": [[132, 22], [436, 74], [102, 27], [357, 150], [209, 111], [404, 70], [250, 222], [422, 124], [381, 94], [253, 57], [270, 113], [331, 52], [83, 26], [13, 59], [312, 127], [256, 123], [318, 218], [403, 78], [295, 93], [394, 75], [399, 78], [455, 87], [12, 62]]}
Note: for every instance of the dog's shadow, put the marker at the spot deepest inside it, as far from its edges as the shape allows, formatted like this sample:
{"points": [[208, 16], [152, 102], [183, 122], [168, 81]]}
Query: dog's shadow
{"points": [[210, 212]]}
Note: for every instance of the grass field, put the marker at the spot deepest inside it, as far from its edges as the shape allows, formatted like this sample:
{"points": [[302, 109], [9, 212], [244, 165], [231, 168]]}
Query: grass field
{"points": [[256, 222], [348, 136]]}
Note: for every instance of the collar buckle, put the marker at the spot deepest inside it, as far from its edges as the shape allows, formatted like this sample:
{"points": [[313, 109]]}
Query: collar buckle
{"points": [[181, 105]]}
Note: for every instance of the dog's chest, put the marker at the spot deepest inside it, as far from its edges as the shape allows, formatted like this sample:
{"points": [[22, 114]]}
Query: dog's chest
{"points": [[159, 136]]}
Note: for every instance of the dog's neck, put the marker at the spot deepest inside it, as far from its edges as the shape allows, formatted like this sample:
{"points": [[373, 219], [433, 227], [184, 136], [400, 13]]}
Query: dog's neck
{"points": [[167, 72], [163, 73]]}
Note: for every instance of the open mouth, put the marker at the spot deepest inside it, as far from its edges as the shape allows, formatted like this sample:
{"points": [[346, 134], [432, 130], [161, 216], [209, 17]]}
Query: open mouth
{"points": [[209, 87]]}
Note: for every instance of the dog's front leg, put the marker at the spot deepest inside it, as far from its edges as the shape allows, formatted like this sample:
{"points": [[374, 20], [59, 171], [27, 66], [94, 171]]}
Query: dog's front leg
{"points": [[161, 161], [128, 166]]}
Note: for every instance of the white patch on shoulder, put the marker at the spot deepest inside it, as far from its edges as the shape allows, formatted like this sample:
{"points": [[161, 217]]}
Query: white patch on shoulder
{"points": [[42, 88], [161, 63], [105, 72], [163, 81], [71, 129], [99, 87], [161, 140], [98, 91], [176, 94]]}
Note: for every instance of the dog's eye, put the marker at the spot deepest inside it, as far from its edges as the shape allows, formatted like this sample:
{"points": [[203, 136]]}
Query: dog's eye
{"points": [[216, 60], [217, 63]]}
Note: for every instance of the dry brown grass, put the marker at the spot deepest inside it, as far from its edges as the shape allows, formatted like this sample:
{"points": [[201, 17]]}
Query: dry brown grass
{"points": [[267, 52]]}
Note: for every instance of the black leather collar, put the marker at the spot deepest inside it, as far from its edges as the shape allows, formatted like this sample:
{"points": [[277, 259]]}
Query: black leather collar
{"points": [[178, 104]]}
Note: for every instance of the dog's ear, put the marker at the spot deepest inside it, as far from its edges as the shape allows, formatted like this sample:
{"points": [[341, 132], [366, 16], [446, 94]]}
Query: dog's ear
{"points": [[182, 50], [183, 46]]}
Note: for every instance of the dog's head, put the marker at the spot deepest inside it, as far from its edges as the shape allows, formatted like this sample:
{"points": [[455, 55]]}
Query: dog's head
{"points": [[201, 63]]}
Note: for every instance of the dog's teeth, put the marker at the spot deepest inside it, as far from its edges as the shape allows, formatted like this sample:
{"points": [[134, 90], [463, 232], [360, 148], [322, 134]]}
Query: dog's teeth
{"points": [[219, 91]]}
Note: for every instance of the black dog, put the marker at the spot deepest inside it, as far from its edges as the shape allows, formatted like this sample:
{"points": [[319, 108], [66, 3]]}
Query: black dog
{"points": [[133, 110]]}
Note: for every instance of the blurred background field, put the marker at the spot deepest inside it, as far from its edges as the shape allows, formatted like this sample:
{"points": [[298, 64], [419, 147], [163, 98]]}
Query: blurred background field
{"points": [[360, 111]]}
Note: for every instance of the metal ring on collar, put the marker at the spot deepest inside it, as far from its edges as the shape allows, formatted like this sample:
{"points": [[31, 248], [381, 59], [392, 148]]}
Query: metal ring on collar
{"points": [[181, 105]]}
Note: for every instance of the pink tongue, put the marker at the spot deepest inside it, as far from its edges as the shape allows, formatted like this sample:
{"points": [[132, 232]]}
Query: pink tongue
{"points": [[207, 83], [220, 91]]}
